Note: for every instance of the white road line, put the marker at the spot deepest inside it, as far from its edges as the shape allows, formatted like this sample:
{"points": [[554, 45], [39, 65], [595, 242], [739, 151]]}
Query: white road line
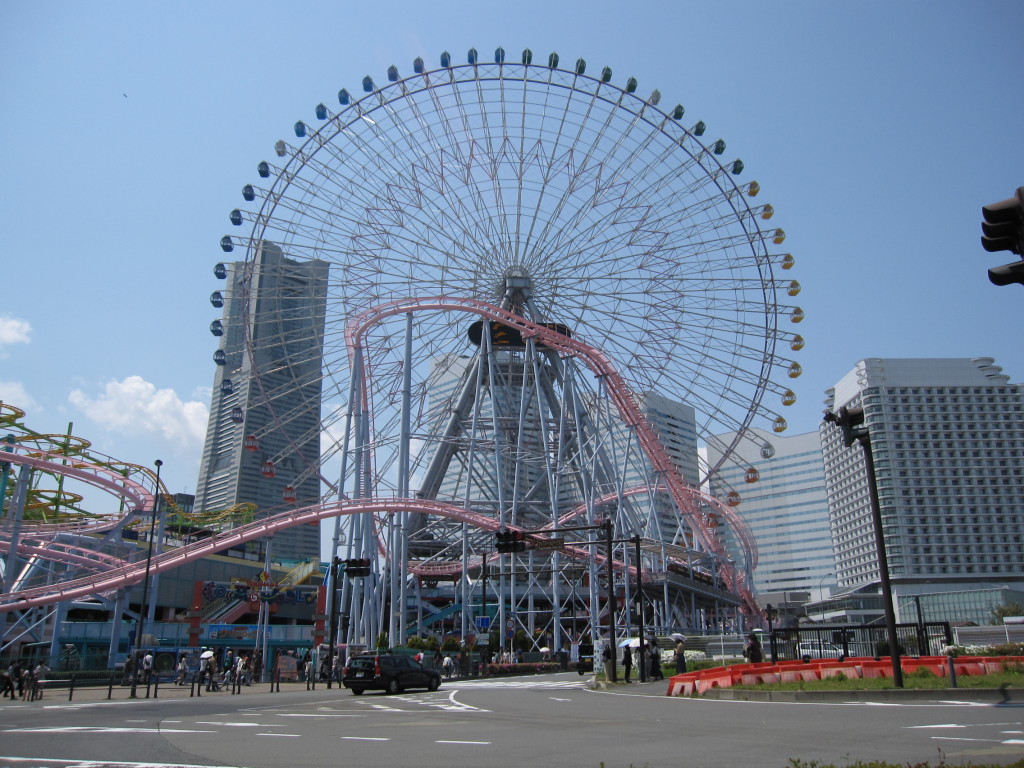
{"points": [[298, 714], [365, 738], [96, 764], [101, 729], [238, 725]]}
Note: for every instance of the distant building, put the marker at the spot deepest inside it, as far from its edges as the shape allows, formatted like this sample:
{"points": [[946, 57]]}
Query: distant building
{"points": [[947, 438], [786, 507], [286, 317]]}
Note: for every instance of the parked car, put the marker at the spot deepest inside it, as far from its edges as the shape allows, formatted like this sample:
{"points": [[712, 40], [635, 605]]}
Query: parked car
{"points": [[387, 672], [816, 649]]}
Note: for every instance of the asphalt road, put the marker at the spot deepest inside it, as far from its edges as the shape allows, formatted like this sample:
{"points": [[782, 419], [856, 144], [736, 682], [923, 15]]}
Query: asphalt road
{"points": [[549, 720]]}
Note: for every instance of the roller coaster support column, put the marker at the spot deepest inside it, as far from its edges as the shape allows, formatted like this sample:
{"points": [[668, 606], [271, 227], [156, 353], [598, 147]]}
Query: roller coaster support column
{"points": [[609, 530], [144, 608], [640, 602], [15, 512]]}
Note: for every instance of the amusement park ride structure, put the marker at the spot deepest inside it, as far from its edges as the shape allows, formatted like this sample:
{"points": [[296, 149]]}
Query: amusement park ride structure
{"points": [[520, 257]]}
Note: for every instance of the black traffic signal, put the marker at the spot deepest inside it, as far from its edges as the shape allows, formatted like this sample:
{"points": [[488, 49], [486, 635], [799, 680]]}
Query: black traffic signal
{"points": [[509, 541], [1003, 229], [358, 566], [851, 421]]}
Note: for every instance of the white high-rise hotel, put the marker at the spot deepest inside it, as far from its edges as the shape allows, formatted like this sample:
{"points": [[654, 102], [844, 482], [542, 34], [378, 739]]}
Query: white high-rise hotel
{"points": [[947, 437], [786, 509]]}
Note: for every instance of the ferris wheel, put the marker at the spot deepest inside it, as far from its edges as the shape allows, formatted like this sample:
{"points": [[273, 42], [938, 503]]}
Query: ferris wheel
{"points": [[547, 193], [630, 225]]}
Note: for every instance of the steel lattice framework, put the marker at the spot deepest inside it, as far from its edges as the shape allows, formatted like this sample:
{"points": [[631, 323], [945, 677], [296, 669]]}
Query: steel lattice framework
{"points": [[550, 203]]}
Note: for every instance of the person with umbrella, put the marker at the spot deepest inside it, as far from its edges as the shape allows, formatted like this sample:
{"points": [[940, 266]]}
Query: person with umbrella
{"points": [[204, 666], [627, 662]]}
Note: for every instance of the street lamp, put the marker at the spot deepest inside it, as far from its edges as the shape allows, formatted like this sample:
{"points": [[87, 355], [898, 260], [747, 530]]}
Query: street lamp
{"points": [[771, 614], [149, 557], [851, 422]]}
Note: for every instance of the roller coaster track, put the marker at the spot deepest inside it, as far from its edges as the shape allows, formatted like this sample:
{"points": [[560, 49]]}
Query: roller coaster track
{"points": [[687, 499]]}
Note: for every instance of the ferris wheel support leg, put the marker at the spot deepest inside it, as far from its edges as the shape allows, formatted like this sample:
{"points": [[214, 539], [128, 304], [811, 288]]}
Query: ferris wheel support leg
{"points": [[15, 514], [397, 548]]}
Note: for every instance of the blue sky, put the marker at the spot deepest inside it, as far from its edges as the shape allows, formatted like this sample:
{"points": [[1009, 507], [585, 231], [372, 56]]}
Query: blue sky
{"points": [[876, 129]]}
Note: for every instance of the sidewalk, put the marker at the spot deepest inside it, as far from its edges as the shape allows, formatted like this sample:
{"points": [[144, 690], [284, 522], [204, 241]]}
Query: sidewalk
{"points": [[59, 691]]}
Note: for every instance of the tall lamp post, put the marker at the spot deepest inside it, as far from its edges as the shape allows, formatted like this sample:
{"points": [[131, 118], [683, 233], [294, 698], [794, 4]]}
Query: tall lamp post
{"points": [[149, 557], [771, 614], [851, 421]]}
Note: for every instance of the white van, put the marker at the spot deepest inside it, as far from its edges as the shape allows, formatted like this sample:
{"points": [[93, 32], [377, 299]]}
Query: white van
{"points": [[816, 649]]}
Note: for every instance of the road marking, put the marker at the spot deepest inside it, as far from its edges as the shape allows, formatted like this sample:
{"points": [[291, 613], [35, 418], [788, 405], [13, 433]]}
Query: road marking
{"points": [[365, 738], [101, 729], [297, 714], [237, 725], [940, 725], [69, 763]]}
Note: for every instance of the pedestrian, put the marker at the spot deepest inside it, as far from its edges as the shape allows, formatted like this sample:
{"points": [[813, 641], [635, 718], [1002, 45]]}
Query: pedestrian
{"points": [[627, 662], [680, 654], [609, 661], [446, 663], [753, 651], [41, 671], [147, 667], [6, 685], [129, 670], [14, 678], [181, 670], [655, 656], [27, 689]]}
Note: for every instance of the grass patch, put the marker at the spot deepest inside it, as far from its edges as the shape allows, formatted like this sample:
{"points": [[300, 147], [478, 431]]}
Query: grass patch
{"points": [[795, 763], [920, 679]]}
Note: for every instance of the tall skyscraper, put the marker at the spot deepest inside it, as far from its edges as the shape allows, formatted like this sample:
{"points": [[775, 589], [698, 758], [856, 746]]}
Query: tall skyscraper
{"points": [[251, 457], [785, 505], [947, 438]]}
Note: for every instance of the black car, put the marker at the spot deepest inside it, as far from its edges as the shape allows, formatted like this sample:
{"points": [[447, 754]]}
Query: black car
{"points": [[387, 672]]}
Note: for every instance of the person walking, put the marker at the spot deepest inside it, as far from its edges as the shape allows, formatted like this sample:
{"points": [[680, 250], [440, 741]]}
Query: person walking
{"points": [[655, 656], [147, 668], [753, 651], [41, 671], [180, 670], [627, 662], [680, 654], [609, 661]]}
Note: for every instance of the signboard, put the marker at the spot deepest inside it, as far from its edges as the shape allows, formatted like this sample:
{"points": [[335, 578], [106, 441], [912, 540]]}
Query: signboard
{"points": [[544, 544], [483, 623], [237, 632]]}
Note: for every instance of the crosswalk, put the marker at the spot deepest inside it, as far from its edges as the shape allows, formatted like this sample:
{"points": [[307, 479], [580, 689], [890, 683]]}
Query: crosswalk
{"points": [[523, 683]]}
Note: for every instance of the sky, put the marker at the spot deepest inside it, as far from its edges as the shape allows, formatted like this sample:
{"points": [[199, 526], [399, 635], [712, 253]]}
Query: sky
{"points": [[877, 130]]}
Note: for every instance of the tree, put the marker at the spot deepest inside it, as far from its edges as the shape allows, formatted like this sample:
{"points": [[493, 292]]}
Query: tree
{"points": [[1006, 609]]}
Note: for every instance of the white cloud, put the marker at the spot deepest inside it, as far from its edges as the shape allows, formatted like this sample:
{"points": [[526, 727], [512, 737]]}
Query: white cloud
{"points": [[14, 393], [13, 331], [134, 405]]}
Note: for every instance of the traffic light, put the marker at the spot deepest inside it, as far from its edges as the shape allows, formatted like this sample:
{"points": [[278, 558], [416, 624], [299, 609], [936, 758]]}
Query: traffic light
{"points": [[358, 566], [1003, 229], [509, 541], [851, 421]]}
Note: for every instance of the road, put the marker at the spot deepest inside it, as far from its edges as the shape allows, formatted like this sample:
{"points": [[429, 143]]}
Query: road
{"points": [[549, 720]]}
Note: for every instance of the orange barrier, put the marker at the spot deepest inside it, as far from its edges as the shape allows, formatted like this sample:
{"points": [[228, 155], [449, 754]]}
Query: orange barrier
{"points": [[704, 680]]}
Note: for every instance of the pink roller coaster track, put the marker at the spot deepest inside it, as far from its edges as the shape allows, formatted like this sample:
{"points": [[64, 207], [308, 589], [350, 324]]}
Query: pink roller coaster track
{"points": [[687, 498], [119, 574]]}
